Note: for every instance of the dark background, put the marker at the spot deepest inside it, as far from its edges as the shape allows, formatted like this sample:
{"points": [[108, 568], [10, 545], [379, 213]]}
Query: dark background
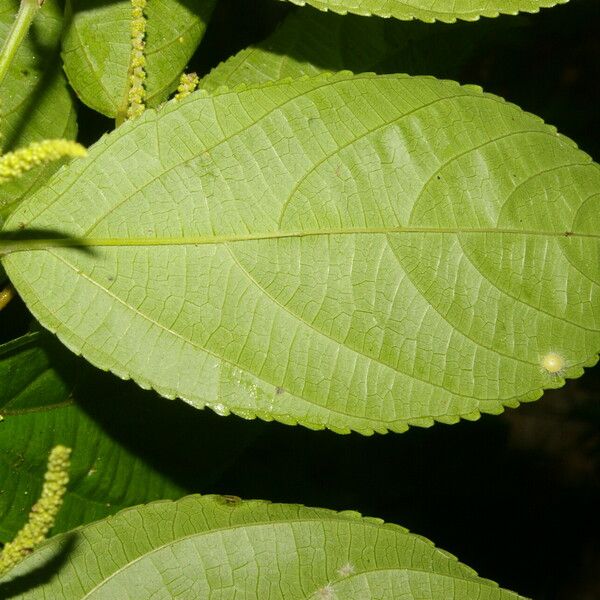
{"points": [[516, 497]]}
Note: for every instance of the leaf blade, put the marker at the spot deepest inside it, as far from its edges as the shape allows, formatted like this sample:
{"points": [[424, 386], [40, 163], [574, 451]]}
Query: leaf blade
{"points": [[254, 544], [447, 11], [376, 274]]}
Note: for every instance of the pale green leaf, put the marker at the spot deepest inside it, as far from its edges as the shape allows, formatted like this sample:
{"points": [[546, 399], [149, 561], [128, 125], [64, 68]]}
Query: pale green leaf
{"points": [[96, 48], [431, 10], [352, 252], [35, 103], [309, 42], [48, 396], [221, 547]]}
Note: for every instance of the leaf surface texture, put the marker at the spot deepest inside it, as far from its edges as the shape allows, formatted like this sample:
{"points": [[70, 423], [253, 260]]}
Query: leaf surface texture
{"points": [[353, 252], [217, 547]]}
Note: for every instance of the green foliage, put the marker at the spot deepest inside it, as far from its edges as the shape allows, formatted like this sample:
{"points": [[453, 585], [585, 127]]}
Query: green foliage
{"points": [[319, 248], [35, 103], [431, 10], [311, 238], [38, 410], [49, 396], [214, 546], [309, 42], [96, 49]]}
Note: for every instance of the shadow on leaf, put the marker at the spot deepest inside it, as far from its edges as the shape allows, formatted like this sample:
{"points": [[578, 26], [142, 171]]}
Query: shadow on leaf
{"points": [[41, 574], [22, 240]]}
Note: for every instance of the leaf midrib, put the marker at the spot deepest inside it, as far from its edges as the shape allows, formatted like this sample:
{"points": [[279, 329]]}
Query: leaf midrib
{"points": [[205, 240]]}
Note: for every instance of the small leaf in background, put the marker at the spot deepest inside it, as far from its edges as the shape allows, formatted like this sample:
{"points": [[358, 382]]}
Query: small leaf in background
{"points": [[124, 451], [35, 103], [97, 48], [309, 42], [354, 252], [431, 10], [221, 547]]}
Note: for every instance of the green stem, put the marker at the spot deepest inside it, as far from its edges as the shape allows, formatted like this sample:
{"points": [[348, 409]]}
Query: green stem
{"points": [[18, 31]]}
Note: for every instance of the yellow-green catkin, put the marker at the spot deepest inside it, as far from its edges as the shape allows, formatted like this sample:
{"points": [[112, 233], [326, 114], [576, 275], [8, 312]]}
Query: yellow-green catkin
{"points": [[14, 164], [44, 511], [187, 84], [136, 100]]}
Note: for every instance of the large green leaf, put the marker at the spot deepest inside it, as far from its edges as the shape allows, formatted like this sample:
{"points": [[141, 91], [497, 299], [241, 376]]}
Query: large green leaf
{"points": [[219, 547], [96, 48], [121, 452], [353, 252], [431, 10], [35, 103]]}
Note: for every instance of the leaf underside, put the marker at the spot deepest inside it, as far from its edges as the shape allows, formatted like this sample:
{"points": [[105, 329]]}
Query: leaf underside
{"points": [[431, 10], [96, 49], [353, 252], [218, 547]]}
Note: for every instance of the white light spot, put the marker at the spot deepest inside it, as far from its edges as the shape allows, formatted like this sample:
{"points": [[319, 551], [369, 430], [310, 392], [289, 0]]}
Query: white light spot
{"points": [[553, 363]]}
